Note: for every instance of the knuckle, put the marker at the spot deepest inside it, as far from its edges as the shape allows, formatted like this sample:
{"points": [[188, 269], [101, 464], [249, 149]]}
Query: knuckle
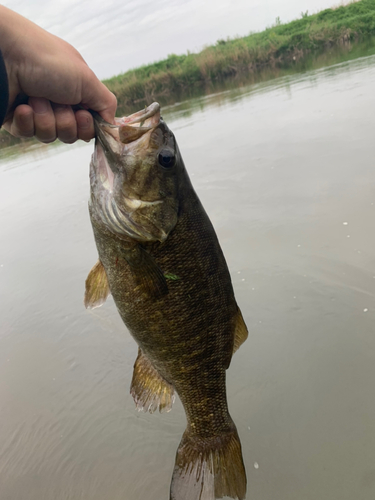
{"points": [[67, 128], [114, 99], [45, 134], [19, 131], [46, 140], [85, 135], [26, 133], [67, 138]]}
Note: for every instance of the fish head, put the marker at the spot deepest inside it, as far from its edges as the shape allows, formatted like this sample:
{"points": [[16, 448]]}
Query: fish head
{"points": [[134, 175]]}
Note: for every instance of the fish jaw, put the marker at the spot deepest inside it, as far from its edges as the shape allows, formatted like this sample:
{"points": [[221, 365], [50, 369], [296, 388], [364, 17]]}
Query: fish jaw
{"points": [[149, 117], [102, 170]]}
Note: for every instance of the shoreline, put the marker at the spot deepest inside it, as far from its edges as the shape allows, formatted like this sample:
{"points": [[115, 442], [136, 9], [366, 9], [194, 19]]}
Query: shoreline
{"points": [[277, 46]]}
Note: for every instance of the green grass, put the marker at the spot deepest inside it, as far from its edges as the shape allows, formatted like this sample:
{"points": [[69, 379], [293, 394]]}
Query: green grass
{"points": [[278, 45]]}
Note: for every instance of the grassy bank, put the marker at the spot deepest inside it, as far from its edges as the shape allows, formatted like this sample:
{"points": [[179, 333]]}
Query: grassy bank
{"points": [[279, 45]]}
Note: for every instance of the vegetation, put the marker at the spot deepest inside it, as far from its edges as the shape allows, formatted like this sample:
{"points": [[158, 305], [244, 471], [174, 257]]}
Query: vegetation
{"points": [[8, 140], [278, 45]]}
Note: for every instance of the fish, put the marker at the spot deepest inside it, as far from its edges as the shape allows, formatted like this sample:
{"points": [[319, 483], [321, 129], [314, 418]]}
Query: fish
{"points": [[160, 259]]}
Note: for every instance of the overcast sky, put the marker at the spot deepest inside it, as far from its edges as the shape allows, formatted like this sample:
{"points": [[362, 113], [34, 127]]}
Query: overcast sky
{"points": [[116, 35]]}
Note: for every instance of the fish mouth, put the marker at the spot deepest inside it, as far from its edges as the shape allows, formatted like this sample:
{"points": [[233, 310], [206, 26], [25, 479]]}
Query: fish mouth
{"points": [[126, 130], [148, 117], [120, 138]]}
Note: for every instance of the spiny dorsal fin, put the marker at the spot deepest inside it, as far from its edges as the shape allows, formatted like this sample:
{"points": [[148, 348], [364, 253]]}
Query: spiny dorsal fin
{"points": [[240, 332], [148, 388], [97, 288]]}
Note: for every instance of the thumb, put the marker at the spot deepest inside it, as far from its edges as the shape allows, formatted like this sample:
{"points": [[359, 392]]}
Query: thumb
{"points": [[97, 97]]}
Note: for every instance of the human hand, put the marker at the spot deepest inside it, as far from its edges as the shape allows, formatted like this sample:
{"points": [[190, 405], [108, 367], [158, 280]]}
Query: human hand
{"points": [[54, 77]]}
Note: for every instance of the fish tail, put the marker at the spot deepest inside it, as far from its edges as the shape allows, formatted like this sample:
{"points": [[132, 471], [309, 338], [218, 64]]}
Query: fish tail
{"points": [[209, 468]]}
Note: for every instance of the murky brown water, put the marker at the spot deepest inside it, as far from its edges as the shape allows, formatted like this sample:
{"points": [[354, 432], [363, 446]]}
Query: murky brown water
{"points": [[286, 171]]}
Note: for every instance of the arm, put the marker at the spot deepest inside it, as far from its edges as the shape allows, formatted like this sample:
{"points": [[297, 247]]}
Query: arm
{"points": [[51, 76]]}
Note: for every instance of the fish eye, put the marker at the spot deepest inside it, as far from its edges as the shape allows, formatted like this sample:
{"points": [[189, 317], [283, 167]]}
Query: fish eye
{"points": [[167, 158]]}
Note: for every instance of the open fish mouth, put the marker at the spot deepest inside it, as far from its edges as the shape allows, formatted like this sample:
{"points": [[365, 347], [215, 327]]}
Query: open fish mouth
{"points": [[115, 140], [148, 117], [126, 129]]}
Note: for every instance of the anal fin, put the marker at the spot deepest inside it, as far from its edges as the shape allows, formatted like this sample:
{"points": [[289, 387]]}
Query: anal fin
{"points": [[149, 389], [240, 332], [97, 288]]}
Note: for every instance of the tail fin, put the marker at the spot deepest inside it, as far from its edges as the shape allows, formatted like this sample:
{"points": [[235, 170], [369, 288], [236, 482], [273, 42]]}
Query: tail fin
{"points": [[209, 468]]}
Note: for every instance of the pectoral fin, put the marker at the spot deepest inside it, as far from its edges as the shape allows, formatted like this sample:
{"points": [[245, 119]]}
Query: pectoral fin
{"points": [[149, 389], [97, 288], [146, 271], [240, 332]]}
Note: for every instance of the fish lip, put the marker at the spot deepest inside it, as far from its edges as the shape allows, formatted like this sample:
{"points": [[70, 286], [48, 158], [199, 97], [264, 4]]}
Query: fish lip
{"points": [[150, 111]]}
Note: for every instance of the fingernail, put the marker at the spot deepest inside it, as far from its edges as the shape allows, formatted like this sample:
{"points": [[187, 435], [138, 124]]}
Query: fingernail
{"points": [[39, 106], [83, 122]]}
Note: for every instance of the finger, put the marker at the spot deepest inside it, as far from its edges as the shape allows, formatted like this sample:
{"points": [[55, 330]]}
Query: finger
{"points": [[108, 113], [66, 125], [22, 123], [44, 119], [85, 125], [96, 96]]}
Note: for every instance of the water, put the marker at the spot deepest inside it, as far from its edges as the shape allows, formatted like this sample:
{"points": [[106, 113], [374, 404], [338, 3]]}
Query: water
{"points": [[286, 171]]}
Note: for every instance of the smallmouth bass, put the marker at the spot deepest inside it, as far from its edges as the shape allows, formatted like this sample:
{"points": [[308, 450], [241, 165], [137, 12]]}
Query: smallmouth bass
{"points": [[160, 259]]}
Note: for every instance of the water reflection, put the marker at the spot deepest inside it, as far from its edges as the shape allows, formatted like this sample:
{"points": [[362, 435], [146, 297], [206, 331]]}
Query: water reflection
{"points": [[277, 80], [310, 62], [285, 170]]}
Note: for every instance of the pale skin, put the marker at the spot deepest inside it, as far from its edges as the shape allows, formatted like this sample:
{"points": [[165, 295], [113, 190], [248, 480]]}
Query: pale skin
{"points": [[54, 77]]}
